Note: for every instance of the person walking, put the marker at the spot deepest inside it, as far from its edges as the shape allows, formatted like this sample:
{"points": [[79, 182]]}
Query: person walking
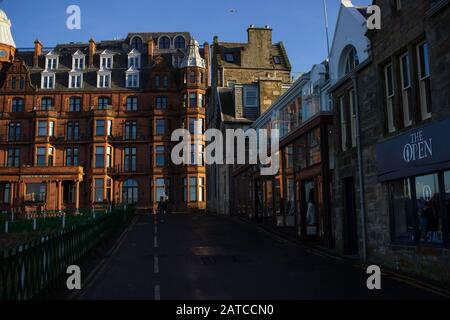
{"points": [[162, 208]]}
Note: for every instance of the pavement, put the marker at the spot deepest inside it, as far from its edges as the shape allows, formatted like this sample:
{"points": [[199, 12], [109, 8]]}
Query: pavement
{"points": [[207, 257]]}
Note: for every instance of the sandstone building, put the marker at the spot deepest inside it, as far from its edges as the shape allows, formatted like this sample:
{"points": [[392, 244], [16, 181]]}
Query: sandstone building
{"points": [[89, 124]]}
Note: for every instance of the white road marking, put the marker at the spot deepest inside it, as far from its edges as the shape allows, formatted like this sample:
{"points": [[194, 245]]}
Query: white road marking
{"points": [[156, 241], [156, 229], [156, 264], [157, 293]]}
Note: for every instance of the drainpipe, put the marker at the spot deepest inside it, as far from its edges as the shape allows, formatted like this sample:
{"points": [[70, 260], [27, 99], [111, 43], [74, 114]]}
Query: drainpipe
{"points": [[360, 168]]}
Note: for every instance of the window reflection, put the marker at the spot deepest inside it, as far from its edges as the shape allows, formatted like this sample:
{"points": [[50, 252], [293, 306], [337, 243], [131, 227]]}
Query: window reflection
{"points": [[428, 208]]}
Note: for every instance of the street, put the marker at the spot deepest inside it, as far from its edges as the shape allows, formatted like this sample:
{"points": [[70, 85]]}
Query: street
{"points": [[196, 257]]}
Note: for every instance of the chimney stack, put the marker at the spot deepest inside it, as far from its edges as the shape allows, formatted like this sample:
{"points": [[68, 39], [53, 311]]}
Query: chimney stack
{"points": [[92, 51], [37, 52], [207, 62], [151, 49]]}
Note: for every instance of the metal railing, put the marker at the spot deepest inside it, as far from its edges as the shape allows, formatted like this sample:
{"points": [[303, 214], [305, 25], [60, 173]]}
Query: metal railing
{"points": [[35, 269]]}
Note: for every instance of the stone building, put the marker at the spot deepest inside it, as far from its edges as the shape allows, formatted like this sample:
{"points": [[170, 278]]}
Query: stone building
{"points": [[296, 198], [246, 79], [349, 55], [402, 114], [89, 124]]}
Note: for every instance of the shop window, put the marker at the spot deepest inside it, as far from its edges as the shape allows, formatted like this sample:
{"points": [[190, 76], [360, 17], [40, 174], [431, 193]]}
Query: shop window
{"points": [[402, 211], [290, 203], [447, 198], [428, 207]]}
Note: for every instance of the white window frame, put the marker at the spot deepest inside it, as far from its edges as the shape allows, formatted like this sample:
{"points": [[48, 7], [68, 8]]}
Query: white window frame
{"points": [[406, 88], [248, 89], [101, 79], [76, 74], [134, 59], [422, 82], [45, 80], [106, 61], [390, 115], [51, 62], [130, 74]]}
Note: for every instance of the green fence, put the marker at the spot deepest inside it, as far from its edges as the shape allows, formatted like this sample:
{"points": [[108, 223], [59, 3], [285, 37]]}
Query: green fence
{"points": [[48, 222], [33, 270]]}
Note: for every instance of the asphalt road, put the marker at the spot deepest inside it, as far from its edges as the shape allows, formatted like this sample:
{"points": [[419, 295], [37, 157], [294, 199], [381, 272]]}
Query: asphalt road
{"points": [[208, 257]]}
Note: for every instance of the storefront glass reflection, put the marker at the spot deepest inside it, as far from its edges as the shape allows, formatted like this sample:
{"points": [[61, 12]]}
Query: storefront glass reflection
{"points": [[447, 198], [428, 207], [402, 205]]}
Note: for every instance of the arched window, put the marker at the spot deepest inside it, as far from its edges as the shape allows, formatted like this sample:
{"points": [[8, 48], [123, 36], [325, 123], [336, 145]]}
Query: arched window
{"points": [[130, 192], [136, 43], [180, 42], [351, 60], [164, 43]]}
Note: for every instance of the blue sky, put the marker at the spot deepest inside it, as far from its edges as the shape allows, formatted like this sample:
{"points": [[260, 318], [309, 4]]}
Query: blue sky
{"points": [[298, 23]]}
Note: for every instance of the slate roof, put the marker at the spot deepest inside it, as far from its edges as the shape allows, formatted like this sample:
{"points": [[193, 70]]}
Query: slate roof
{"points": [[120, 50]]}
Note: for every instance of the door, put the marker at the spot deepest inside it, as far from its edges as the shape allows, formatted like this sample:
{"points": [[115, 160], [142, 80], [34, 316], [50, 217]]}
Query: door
{"points": [[309, 210], [350, 223]]}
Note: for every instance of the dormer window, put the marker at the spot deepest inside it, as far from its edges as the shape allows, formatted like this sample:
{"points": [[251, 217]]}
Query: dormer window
{"points": [[132, 78], [351, 61], [277, 59], [78, 61], [76, 80], [52, 63], [48, 80], [134, 59], [106, 60], [164, 42], [104, 79]]}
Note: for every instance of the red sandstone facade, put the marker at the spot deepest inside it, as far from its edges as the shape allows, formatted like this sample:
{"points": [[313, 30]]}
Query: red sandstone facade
{"points": [[81, 133]]}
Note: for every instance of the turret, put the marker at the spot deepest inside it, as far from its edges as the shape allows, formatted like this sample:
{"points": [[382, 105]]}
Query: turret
{"points": [[7, 44]]}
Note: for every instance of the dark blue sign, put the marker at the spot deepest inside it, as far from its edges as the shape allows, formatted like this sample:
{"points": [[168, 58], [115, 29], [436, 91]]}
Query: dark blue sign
{"points": [[418, 152]]}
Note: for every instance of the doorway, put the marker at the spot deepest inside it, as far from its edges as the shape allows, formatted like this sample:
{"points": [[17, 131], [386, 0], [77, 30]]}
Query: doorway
{"points": [[350, 222], [309, 209]]}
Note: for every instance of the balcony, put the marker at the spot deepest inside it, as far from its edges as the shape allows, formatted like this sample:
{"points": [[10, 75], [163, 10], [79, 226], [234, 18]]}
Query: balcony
{"points": [[130, 138], [38, 112], [106, 111], [120, 169], [58, 171]]}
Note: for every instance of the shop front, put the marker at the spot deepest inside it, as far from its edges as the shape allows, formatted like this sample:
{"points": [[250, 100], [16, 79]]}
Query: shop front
{"points": [[297, 197], [415, 166]]}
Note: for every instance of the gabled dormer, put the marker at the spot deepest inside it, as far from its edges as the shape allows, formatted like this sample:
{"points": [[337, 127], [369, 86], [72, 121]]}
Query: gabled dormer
{"points": [[106, 60], [132, 77], [51, 61], [134, 59], [78, 61]]}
